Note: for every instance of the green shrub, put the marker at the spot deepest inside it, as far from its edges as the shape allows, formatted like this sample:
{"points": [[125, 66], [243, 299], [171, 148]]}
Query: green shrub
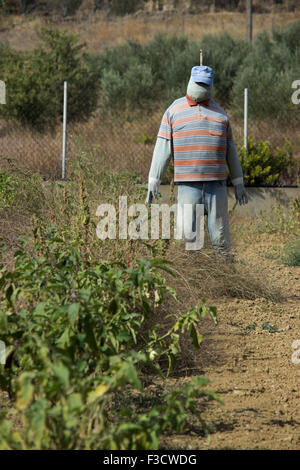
{"points": [[75, 352], [282, 219], [159, 71], [8, 187], [133, 88], [34, 81], [144, 76], [267, 68], [289, 36], [291, 255], [20, 194], [225, 55], [263, 166], [268, 72]]}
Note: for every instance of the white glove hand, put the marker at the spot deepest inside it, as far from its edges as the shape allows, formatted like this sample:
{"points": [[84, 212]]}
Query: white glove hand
{"points": [[240, 194], [153, 186]]}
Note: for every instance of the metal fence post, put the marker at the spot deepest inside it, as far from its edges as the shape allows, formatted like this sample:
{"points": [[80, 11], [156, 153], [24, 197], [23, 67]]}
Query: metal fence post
{"points": [[246, 118], [2, 353], [2, 92], [64, 148]]}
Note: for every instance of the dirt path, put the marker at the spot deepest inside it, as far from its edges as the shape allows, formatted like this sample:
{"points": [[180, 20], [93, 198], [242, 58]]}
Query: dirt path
{"points": [[251, 367]]}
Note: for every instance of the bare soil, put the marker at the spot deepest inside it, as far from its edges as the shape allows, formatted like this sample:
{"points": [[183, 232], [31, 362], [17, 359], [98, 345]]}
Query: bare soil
{"points": [[250, 367]]}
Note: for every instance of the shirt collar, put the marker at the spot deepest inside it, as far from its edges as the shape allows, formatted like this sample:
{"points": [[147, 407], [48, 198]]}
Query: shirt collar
{"points": [[194, 103]]}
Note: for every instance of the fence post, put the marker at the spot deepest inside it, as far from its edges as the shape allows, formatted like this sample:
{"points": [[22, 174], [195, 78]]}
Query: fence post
{"points": [[246, 118], [64, 148], [2, 353], [2, 92], [249, 20]]}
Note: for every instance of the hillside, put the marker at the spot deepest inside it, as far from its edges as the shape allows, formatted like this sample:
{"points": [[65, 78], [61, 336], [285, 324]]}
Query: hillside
{"points": [[100, 30]]}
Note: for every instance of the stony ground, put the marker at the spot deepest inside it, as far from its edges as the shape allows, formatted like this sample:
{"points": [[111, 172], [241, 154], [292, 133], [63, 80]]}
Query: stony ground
{"points": [[248, 357]]}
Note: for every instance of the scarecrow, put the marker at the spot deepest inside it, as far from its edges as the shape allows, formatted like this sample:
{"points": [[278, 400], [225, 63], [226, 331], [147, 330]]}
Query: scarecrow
{"points": [[196, 134]]}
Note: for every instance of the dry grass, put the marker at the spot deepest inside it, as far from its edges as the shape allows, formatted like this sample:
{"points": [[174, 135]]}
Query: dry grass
{"points": [[99, 32], [111, 143], [116, 146], [200, 275], [203, 274]]}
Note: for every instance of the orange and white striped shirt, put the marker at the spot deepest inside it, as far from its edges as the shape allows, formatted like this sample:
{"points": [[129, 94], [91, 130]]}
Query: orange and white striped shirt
{"points": [[200, 136]]}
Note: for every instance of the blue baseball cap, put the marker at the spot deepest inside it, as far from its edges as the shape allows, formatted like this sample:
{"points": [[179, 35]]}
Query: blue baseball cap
{"points": [[202, 74]]}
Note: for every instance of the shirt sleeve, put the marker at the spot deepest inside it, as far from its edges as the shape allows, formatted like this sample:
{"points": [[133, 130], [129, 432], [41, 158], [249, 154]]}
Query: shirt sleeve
{"points": [[233, 161], [163, 150], [165, 130], [161, 157]]}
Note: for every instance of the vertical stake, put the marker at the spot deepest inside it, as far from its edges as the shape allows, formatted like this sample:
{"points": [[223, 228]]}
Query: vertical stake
{"points": [[246, 118], [201, 57], [64, 148], [249, 20]]}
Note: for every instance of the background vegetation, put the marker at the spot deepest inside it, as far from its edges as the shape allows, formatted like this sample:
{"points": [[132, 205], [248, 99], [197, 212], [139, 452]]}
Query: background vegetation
{"points": [[134, 83], [123, 7], [151, 76]]}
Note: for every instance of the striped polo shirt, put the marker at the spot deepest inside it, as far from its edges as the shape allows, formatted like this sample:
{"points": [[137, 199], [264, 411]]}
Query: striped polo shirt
{"points": [[199, 135]]}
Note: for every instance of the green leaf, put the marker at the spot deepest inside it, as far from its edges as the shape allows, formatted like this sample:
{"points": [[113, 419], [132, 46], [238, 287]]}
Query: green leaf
{"points": [[74, 402], [73, 312], [97, 393], [213, 314], [25, 390], [64, 340], [62, 373], [196, 336]]}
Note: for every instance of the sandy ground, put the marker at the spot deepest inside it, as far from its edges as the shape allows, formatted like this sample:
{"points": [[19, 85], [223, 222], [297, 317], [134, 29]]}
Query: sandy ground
{"points": [[250, 367]]}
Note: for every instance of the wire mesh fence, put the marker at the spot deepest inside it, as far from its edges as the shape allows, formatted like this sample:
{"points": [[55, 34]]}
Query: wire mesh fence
{"points": [[119, 144]]}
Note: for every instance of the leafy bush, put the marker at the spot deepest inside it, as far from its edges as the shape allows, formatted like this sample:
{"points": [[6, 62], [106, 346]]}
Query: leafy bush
{"points": [[8, 186], [225, 55], [160, 70], [135, 85], [144, 76], [267, 68], [282, 219], [288, 36], [291, 256], [34, 81], [74, 352], [268, 71], [263, 166]]}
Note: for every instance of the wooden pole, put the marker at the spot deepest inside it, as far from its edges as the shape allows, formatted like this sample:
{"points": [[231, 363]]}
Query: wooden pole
{"points": [[249, 20], [201, 57]]}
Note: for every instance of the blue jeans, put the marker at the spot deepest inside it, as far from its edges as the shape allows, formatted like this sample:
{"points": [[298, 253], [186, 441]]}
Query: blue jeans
{"points": [[213, 195]]}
